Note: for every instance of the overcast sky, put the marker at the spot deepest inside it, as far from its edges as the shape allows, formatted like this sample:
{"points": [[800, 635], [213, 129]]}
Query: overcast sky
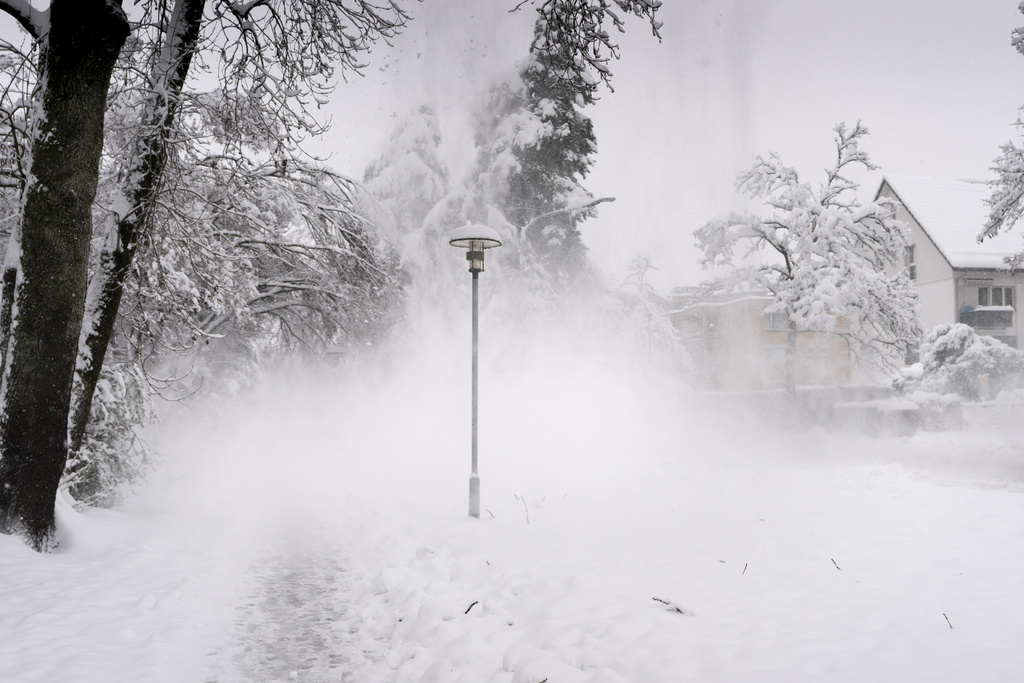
{"points": [[936, 83]]}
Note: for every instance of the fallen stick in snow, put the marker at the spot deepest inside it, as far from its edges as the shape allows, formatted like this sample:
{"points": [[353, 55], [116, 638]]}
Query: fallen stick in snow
{"points": [[672, 607], [518, 497]]}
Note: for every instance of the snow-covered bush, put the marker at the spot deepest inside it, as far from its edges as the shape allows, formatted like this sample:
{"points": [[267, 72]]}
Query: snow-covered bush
{"points": [[112, 458], [957, 360], [644, 315]]}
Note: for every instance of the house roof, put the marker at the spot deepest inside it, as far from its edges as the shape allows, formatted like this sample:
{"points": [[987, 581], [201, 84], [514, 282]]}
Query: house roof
{"points": [[953, 214]]}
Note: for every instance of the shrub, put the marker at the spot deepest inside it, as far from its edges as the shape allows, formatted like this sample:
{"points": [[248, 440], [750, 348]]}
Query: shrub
{"points": [[957, 360], [112, 457]]}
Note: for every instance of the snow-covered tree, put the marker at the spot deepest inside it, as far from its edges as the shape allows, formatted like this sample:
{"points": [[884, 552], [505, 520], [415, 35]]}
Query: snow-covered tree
{"points": [[409, 178], [275, 55], [545, 145], [45, 272], [275, 62], [833, 265], [275, 257], [534, 149], [266, 252], [646, 317], [1006, 205], [534, 146]]}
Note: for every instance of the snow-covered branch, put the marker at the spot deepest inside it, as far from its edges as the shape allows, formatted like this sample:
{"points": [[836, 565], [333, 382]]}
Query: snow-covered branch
{"points": [[1006, 204], [567, 210], [36, 22], [575, 29]]}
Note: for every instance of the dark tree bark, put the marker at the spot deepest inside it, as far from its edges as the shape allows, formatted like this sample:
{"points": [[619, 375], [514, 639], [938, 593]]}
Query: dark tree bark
{"points": [[50, 258], [149, 162]]}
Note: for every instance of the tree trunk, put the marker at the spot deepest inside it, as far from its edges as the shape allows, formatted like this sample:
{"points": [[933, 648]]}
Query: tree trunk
{"points": [[50, 253], [147, 167], [791, 362]]}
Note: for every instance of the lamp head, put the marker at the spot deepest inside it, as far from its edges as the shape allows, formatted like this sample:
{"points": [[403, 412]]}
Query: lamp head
{"points": [[475, 238]]}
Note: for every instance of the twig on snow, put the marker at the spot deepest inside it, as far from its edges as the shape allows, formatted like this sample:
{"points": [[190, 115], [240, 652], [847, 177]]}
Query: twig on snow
{"points": [[672, 607], [518, 497]]}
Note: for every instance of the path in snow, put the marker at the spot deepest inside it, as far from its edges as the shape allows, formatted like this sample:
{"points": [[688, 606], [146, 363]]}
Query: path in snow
{"points": [[289, 624], [291, 620]]}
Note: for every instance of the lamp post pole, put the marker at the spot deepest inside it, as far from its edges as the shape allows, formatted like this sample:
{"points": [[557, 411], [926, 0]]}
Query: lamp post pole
{"points": [[475, 238], [474, 477]]}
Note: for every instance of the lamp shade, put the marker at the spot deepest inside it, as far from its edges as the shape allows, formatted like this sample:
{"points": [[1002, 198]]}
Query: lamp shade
{"points": [[474, 236]]}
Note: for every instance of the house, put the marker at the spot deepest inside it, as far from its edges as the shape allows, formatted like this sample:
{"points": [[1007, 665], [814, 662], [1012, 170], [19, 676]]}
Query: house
{"points": [[739, 347], [957, 278]]}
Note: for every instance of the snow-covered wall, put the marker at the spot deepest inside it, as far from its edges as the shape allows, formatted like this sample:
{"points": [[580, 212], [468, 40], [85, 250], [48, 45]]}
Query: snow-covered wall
{"points": [[937, 302]]}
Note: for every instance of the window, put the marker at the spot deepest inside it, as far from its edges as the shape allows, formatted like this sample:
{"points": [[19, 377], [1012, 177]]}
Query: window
{"points": [[775, 321], [995, 296], [910, 259]]}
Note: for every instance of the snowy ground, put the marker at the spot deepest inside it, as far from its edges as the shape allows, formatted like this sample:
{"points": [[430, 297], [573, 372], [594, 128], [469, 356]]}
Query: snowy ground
{"points": [[319, 534]]}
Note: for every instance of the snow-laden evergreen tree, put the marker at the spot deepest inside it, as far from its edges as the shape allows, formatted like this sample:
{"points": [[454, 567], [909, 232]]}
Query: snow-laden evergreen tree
{"points": [[578, 30], [409, 178], [535, 147], [832, 264], [545, 145]]}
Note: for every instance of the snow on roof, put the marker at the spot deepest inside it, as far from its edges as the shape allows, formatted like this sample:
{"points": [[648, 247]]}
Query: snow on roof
{"points": [[953, 213], [726, 301]]}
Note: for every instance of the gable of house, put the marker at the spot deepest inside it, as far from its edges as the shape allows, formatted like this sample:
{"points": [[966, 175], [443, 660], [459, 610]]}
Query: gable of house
{"points": [[952, 213], [957, 278]]}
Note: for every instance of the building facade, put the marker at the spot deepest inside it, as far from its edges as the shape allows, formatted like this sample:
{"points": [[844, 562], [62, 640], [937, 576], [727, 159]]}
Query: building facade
{"points": [[957, 278], [737, 346]]}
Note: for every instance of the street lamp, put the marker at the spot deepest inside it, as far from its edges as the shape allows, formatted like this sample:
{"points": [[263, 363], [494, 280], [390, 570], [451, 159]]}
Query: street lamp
{"points": [[475, 238]]}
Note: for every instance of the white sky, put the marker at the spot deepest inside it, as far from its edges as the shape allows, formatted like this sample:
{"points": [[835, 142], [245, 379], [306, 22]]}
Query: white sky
{"points": [[937, 84]]}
